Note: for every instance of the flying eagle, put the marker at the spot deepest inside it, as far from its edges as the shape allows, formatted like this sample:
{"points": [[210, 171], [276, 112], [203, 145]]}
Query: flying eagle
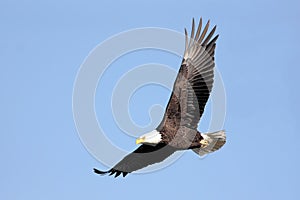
{"points": [[178, 128]]}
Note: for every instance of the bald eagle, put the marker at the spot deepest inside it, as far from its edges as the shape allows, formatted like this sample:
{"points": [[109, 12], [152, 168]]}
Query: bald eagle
{"points": [[178, 128]]}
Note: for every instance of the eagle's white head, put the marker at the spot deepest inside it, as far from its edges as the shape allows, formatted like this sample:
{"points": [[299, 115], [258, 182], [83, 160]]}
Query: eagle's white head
{"points": [[151, 138]]}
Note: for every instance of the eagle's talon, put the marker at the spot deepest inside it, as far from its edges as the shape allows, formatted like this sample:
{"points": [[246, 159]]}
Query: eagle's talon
{"points": [[204, 143]]}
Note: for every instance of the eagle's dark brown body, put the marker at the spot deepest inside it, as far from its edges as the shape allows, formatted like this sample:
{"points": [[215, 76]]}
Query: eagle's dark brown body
{"points": [[181, 139]]}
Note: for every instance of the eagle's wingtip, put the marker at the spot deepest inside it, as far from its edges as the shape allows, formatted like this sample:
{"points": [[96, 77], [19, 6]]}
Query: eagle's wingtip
{"points": [[111, 172], [100, 172]]}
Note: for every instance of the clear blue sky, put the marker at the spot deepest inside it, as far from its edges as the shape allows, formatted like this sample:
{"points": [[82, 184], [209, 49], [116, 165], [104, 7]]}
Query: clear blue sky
{"points": [[42, 45]]}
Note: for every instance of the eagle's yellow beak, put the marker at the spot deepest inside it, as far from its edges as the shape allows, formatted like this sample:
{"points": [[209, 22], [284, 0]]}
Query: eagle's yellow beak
{"points": [[139, 140]]}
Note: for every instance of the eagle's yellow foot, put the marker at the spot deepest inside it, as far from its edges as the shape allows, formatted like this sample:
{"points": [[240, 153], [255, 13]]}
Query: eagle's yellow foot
{"points": [[204, 143]]}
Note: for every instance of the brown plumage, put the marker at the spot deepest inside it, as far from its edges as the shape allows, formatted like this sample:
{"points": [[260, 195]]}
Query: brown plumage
{"points": [[191, 90]]}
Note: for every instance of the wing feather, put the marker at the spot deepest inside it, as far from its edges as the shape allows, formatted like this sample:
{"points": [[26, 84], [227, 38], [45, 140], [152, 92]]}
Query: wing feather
{"points": [[142, 157], [204, 32], [194, 81], [199, 29]]}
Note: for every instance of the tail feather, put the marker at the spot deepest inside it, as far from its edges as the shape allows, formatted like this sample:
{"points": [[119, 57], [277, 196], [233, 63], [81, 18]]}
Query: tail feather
{"points": [[215, 141]]}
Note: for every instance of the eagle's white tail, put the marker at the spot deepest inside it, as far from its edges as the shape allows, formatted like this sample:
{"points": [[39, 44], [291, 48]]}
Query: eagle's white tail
{"points": [[214, 142]]}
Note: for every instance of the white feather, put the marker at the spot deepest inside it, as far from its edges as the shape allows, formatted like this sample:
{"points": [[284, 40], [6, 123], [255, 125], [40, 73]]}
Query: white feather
{"points": [[152, 137]]}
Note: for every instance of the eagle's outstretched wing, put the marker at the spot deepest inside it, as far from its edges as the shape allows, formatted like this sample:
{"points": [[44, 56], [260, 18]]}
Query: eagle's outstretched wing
{"points": [[194, 81], [142, 157]]}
